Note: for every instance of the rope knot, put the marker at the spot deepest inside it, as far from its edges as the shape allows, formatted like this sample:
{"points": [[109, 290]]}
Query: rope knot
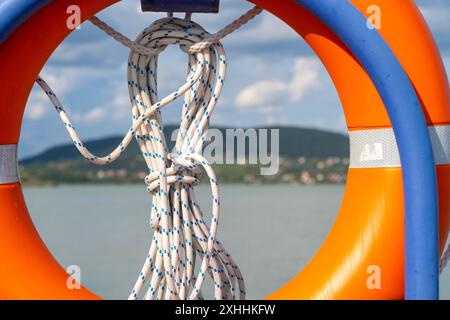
{"points": [[181, 171], [180, 232], [182, 27]]}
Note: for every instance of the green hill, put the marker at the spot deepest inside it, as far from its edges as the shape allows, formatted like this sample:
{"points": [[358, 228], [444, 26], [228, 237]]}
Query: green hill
{"points": [[294, 142], [63, 164]]}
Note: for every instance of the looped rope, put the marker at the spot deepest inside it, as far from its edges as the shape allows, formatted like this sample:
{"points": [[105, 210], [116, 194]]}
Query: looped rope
{"points": [[236, 24], [171, 261], [123, 39], [180, 232], [194, 48], [173, 175], [444, 259]]}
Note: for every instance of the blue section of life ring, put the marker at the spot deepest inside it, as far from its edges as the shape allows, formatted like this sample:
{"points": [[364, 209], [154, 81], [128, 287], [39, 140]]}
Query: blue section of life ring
{"points": [[403, 107], [14, 12], [408, 121]]}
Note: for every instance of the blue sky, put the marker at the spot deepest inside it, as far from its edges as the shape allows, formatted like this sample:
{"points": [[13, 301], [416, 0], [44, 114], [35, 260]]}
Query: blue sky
{"points": [[88, 73]]}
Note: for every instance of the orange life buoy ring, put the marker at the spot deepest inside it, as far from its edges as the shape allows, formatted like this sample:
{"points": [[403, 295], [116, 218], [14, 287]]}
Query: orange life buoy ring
{"points": [[369, 228]]}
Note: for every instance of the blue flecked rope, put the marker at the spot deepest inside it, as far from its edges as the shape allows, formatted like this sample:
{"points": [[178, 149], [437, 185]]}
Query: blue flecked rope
{"points": [[180, 233]]}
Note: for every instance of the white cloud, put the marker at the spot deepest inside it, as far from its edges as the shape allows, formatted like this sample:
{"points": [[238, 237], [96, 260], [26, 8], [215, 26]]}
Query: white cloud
{"points": [[121, 105], [76, 52], [262, 93], [436, 17], [94, 115], [38, 106], [265, 29], [446, 60], [117, 109], [271, 120], [265, 95], [305, 78], [88, 73]]}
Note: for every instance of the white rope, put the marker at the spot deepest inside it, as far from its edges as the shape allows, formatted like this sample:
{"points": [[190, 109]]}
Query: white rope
{"points": [[180, 232], [194, 48], [444, 259]]}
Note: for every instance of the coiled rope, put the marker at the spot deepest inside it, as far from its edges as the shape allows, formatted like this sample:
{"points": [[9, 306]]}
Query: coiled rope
{"points": [[180, 232]]}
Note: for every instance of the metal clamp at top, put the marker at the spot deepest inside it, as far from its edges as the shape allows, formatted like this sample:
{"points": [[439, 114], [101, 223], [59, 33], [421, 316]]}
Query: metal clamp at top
{"points": [[189, 6]]}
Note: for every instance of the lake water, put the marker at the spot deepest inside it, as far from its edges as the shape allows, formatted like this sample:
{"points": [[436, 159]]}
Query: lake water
{"points": [[271, 231]]}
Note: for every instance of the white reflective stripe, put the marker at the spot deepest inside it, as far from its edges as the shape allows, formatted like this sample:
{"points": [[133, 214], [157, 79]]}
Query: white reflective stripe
{"points": [[377, 148], [9, 172], [440, 139]]}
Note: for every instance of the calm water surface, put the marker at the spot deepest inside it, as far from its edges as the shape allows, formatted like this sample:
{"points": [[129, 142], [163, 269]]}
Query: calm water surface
{"points": [[271, 231]]}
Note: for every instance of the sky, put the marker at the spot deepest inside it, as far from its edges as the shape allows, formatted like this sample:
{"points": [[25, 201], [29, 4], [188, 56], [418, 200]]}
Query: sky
{"points": [[88, 74]]}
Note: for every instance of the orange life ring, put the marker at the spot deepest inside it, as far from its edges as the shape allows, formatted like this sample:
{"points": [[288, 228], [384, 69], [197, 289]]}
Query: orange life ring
{"points": [[369, 228]]}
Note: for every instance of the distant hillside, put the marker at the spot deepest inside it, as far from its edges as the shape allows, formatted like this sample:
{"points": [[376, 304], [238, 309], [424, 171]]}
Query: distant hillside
{"points": [[308, 156], [294, 143]]}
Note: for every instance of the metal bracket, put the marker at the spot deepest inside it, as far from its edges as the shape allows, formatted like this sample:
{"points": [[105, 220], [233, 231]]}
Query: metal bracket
{"points": [[190, 6]]}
